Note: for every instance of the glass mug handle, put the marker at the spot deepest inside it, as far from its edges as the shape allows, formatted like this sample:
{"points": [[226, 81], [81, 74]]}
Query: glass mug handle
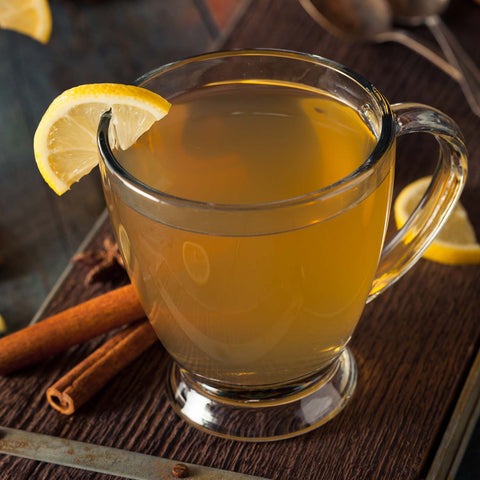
{"points": [[408, 245]]}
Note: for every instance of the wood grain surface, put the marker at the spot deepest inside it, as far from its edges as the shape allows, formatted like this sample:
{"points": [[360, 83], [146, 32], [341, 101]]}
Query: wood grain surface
{"points": [[414, 344]]}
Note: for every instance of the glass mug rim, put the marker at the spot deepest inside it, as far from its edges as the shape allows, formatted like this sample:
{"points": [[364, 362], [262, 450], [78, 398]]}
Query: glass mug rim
{"points": [[361, 174]]}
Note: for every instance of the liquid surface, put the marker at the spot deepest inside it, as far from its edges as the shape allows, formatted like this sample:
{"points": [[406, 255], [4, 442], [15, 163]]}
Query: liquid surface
{"points": [[249, 144], [261, 309]]}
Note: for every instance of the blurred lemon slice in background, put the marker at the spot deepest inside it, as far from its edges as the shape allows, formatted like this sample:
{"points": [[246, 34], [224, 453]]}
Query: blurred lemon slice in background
{"points": [[65, 142], [30, 17], [456, 243]]}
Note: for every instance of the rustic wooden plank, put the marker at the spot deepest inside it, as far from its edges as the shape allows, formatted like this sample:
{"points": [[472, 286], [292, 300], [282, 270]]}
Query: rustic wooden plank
{"points": [[414, 344]]}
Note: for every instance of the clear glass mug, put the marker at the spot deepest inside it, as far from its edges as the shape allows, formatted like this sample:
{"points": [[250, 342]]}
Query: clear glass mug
{"points": [[256, 302]]}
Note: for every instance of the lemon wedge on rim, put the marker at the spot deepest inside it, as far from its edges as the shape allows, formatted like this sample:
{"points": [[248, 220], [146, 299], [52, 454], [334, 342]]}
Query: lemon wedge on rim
{"points": [[65, 142], [456, 243], [30, 17]]}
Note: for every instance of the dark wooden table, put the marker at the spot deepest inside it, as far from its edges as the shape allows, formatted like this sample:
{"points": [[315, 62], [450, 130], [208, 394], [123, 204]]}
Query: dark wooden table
{"points": [[415, 345]]}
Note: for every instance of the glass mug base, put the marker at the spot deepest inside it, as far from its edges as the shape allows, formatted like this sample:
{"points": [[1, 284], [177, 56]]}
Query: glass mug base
{"points": [[265, 415]]}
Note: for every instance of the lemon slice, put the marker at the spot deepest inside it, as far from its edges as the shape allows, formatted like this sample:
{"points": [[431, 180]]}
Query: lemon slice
{"points": [[30, 17], [65, 142], [456, 243]]}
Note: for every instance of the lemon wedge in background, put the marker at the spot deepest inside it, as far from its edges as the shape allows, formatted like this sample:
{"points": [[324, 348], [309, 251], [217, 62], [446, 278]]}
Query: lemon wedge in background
{"points": [[30, 17], [456, 243], [65, 143]]}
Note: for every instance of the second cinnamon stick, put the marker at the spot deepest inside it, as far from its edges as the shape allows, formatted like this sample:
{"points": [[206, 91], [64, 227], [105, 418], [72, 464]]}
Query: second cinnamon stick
{"points": [[89, 376]]}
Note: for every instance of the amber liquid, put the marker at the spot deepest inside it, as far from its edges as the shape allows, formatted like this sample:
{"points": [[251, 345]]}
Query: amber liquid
{"points": [[258, 309]]}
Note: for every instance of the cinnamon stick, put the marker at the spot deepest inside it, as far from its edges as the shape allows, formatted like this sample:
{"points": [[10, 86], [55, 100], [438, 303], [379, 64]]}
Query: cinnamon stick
{"points": [[89, 376], [68, 328]]}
